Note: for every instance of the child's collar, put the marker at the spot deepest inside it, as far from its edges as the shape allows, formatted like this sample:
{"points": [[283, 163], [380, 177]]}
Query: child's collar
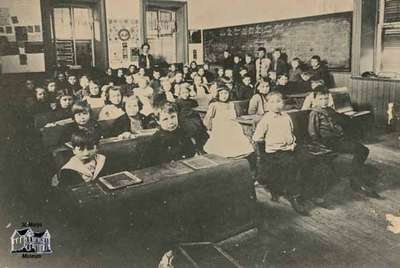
{"points": [[75, 164]]}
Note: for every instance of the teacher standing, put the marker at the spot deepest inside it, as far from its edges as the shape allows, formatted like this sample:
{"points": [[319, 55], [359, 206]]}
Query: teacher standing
{"points": [[146, 60]]}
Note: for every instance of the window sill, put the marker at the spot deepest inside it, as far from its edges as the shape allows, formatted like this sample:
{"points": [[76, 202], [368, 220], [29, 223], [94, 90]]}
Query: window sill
{"points": [[355, 77]]}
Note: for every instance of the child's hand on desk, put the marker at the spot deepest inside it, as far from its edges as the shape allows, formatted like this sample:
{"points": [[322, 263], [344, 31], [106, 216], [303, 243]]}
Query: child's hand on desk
{"points": [[126, 135]]}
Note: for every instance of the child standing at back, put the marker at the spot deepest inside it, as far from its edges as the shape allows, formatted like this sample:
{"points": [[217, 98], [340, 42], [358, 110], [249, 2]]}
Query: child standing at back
{"points": [[226, 135]]}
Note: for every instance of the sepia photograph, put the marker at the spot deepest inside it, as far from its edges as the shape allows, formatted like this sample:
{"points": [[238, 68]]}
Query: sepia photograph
{"points": [[199, 133]]}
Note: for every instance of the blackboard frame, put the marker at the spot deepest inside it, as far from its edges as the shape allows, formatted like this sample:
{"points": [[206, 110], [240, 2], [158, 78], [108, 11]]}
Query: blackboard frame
{"points": [[348, 16]]}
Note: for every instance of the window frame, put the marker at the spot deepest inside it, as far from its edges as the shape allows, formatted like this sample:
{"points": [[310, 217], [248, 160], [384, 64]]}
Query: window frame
{"points": [[381, 26]]}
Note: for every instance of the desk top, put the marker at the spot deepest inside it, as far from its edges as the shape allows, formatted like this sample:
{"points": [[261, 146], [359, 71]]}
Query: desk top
{"points": [[87, 192]]}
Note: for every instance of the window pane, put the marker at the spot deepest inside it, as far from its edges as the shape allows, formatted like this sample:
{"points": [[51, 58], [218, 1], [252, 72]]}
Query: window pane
{"points": [[62, 23], [391, 50], [83, 24], [392, 11]]}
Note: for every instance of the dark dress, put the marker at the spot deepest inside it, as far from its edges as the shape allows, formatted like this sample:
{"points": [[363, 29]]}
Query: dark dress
{"points": [[92, 126], [123, 124], [191, 123], [243, 92], [39, 107], [171, 146], [322, 73]]}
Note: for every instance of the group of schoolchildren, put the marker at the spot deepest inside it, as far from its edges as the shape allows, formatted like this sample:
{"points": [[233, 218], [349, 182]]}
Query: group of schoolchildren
{"points": [[137, 98]]}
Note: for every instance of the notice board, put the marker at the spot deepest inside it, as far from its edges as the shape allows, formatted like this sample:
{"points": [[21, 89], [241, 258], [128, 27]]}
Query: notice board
{"points": [[328, 36]]}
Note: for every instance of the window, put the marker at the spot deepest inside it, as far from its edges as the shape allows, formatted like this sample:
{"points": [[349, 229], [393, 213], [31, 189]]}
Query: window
{"points": [[73, 36], [388, 37]]}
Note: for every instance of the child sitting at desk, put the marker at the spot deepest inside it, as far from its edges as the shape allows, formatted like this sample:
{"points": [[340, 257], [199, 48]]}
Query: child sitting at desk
{"points": [[311, 100], [86, 165], [81, 115], [40, 103], [65, 101], [133, 121], [113, 108], [245, 90], [94, 99], [189, 120], [51, 87], [258, 103], [170, 142], [325, 126], [280, 161], [226, 135], [145, 93]]}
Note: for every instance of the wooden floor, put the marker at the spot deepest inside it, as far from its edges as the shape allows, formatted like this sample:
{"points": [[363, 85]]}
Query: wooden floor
{"points": [[352, 235]]}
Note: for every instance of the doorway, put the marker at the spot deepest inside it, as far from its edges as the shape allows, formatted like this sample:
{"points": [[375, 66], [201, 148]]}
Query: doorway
{"points": [[166, 31], [73, 36]]}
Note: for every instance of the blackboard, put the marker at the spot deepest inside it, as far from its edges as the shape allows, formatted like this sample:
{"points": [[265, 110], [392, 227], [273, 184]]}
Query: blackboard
{"points": [[328, 36]]}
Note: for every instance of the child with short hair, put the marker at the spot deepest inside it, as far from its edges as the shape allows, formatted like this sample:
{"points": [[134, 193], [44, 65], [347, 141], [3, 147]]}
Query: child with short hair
{"points": [[155, 82], [282, 84], [86, 165], [262, 63], [325, 127], [258, 103], [113, 108], [133, 120], [250, 66], [311, 101], [170, 142], [245, 90], [295, 70], [279, 158], [278, 65], [320, 71], [190, 120], [82, 117], [303, 85], [226, 135]]}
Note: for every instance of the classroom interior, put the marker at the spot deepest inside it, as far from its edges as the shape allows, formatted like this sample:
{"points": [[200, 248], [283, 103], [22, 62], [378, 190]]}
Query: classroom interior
{"points": [[216, 215]]}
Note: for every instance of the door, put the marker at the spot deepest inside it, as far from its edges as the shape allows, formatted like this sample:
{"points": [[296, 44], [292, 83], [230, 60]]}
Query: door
{"points": [[73, 36], [161, 34]]}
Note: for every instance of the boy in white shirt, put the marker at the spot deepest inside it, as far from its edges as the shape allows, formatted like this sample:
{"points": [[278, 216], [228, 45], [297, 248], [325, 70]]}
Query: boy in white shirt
{"points": [[280, 161]]}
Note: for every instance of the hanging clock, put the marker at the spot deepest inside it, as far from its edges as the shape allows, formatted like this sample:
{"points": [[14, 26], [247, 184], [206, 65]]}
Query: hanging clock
{"points": [[124, 35]]}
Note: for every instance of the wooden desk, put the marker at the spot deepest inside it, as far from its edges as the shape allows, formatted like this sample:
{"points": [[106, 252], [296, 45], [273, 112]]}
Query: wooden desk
{"points": [[299, 119], [209, 204], [130, 153], [298, 99]]}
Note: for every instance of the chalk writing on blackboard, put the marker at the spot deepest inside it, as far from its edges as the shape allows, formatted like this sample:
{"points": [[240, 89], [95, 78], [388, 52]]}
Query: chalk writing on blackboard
{"points": [[327, 35]]}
